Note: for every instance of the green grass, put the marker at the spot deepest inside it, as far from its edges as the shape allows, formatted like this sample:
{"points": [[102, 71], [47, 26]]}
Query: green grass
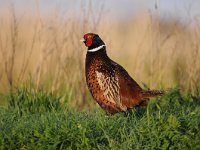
{"points": [[37, 120]]}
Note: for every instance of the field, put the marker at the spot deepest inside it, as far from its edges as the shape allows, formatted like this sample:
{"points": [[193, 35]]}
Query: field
{"points": [[44, 100], [37, 120]]}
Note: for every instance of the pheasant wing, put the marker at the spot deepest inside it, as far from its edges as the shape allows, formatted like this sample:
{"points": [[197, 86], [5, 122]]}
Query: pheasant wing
{"points": [[108, 83], [129, 90]]}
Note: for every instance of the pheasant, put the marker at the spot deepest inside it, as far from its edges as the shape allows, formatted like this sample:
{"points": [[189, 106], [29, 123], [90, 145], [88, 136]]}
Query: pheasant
{"points": [[109, 83]]}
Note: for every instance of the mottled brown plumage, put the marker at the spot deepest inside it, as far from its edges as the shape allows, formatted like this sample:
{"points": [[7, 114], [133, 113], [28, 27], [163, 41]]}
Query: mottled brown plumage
{"points": [[109, 83]]}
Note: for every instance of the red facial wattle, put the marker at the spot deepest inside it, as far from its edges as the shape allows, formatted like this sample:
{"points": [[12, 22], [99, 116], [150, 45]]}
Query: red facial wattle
{"points": [[88, 40]]}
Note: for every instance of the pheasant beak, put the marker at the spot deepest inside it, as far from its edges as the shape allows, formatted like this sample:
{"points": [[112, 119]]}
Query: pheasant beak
{"points": [[82, 40]]}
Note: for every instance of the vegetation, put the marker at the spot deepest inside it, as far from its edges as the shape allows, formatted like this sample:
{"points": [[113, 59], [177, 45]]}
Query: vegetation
{"points": [[45, 49], [38, 120], [56, 110]]}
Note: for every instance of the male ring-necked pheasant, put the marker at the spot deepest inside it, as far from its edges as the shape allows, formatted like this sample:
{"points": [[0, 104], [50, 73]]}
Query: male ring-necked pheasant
{"points": [[109, 83]]}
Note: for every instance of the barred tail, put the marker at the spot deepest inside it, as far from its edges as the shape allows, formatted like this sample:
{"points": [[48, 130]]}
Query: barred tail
{"points": [[152, 93]]}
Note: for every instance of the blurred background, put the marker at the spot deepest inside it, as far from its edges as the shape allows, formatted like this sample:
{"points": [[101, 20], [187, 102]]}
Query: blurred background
{"points": [[156, 41]]}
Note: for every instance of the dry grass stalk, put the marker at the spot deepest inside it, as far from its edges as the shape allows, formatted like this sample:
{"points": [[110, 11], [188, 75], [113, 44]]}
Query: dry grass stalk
{"points": [[47, 51]]}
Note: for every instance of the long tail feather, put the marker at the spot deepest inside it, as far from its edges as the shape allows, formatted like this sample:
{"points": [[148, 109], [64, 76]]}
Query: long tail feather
{"points": [[152, 93]]}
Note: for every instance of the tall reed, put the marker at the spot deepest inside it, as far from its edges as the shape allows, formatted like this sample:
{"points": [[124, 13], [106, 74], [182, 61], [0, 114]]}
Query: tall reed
{"points": [[46, 51]]}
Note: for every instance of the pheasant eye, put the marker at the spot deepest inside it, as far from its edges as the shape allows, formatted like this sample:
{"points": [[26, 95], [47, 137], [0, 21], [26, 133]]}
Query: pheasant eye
{"points": [[89, 36]]}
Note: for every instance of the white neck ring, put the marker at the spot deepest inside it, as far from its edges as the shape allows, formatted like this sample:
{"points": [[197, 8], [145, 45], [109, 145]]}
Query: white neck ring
{"points": [[96, 49]]}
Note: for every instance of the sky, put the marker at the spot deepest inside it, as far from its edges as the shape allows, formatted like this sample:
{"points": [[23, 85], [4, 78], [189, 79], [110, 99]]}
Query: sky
{"points": [[120, 9]]}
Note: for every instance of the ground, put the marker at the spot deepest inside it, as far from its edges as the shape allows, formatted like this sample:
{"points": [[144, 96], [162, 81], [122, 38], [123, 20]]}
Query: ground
{"points": [[37, 120]]}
